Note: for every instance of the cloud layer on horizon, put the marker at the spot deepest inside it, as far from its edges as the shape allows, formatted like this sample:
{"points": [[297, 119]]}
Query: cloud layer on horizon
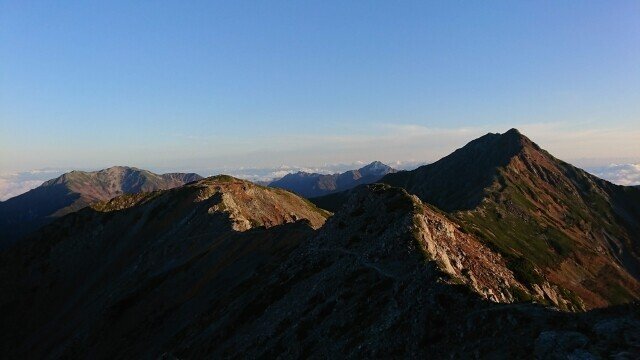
{"points": [[583, 144], [590, 148], [621, 174], [13, 184]]}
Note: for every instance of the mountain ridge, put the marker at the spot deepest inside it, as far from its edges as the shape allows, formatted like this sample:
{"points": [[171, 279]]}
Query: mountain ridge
{"points": [[314, 184], [75, 190], [170, 273], [540, 211], [222, 267]]}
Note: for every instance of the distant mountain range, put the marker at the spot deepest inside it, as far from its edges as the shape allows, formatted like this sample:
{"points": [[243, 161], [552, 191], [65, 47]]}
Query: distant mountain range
{"points": [[75, 190], [494, 251], [313, 184]]}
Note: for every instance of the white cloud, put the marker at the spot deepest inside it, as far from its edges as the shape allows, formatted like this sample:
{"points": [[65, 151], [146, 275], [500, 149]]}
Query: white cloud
{"points": [[269, 174], [10, 188], [15, 183], [621, 174], [402, 146]]}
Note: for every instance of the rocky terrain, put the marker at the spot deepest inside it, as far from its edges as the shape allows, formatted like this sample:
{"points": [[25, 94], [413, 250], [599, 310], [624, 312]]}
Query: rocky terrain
{"points": [[539, 264], [313, 184], [76, 190], [139, 257], [222, 268], [563, 231]]}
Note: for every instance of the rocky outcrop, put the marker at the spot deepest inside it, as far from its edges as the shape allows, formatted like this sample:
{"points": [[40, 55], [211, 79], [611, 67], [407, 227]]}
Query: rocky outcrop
{"points": [[103, 271], [372, 283], [222, 268], [465, 258], [570, 237], [249, 205]]}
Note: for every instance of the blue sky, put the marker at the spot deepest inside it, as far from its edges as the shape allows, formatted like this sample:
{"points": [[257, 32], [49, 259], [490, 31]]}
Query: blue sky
{"points": [[192, 85]]}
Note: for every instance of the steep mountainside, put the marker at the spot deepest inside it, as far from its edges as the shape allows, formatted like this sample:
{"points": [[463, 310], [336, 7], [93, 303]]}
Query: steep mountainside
{"points": [[75, 190], [552, 221], [223, 268], [93, 267], [312, 184]]}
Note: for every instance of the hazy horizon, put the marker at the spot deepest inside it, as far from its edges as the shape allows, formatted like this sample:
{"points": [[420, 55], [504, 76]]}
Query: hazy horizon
{"points": [[15, 183], [169, 86]]}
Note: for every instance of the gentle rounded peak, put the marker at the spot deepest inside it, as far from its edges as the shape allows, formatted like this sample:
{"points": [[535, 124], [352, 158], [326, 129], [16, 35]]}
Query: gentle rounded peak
{"points": [[223, 178], [121, 167], [110, 170], [107, 183], [249, 205], [225, 181], [122, 170]]}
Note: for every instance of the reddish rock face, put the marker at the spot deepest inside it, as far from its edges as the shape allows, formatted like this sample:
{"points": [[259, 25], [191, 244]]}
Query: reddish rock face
{"points": [[223, 268], [571, 237]]}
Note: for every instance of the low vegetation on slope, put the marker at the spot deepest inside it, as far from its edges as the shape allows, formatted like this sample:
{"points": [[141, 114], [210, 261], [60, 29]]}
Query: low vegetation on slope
{"points": [[176, 274], [554, 223], [86, 276]]}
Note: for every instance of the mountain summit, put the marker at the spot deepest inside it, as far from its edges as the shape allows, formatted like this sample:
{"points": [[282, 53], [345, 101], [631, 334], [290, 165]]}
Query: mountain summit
{"points": [[223, 268], [313, 184], [458, 181], [75, 190], [548, 217]]}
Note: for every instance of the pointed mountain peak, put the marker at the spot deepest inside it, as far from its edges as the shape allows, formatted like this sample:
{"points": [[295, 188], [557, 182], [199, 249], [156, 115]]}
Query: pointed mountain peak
{"points": [[457, 181], [515, 135], [376, 167], [376, 163], [495, 148], [513, 132]]}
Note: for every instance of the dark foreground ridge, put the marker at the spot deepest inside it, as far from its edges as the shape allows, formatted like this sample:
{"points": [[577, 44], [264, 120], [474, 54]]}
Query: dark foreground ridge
{"points": [[226, 268]]}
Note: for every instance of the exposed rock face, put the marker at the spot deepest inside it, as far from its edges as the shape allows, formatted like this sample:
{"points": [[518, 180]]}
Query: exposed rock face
{"points": [[312, 184], [571, 237], [76, 190], [465, 258], [140, 267], [249, 205], [176, 274], [428, 233]]}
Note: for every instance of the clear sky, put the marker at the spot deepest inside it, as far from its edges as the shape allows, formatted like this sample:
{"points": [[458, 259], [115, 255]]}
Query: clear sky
{"points": [[188, 84]]}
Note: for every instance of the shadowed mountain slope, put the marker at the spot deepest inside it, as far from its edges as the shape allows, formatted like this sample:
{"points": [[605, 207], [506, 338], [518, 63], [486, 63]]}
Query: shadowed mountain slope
{"points": [[312, 184], [75, 190], [579, 232], [105, 271], [178, 273]]}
